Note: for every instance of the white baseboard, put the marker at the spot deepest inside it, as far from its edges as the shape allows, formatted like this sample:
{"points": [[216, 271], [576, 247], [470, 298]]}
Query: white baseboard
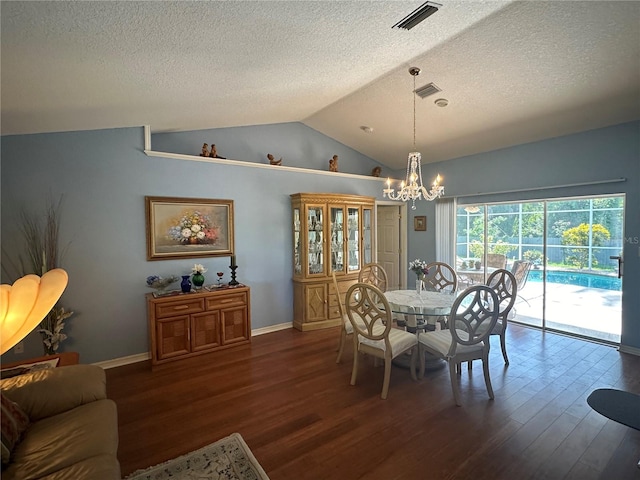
{"points": [[271, 328], [628, 349], [141, 357], [119, 362]]}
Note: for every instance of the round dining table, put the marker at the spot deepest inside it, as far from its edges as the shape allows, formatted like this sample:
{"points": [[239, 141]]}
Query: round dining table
{"points": [[421, 311]]}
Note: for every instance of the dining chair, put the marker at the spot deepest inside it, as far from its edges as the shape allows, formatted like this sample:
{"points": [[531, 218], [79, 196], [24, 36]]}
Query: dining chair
{"points": [[441, 277], [375, 274], [347, 328], [473, 316], [505, 285], [374, 334], [496, 260], [520, 270]]}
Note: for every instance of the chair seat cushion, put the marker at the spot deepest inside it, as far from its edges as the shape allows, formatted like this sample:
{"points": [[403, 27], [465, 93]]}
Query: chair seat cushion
{"points": [[347, 324], [400, 341], [440, 341]]}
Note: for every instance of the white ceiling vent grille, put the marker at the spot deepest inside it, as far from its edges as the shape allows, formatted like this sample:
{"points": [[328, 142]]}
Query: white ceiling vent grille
{"points": [[427, 90]]}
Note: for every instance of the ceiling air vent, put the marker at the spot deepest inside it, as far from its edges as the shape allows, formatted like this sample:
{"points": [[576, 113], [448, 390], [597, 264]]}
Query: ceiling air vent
{"points": [[418, 15], [426, 90]]}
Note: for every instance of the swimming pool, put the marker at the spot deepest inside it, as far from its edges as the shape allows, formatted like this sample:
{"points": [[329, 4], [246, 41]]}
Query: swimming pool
{"points": [[581, 279]]}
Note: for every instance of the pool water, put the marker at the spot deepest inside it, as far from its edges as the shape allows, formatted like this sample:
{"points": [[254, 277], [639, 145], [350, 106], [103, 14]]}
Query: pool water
{"points": [[581, 279]]}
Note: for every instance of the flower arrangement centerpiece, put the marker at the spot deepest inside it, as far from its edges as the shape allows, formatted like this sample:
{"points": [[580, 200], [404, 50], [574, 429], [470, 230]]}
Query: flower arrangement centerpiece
{"points": [[194, 227], [198, 278], [159, 283], [419, 268]]}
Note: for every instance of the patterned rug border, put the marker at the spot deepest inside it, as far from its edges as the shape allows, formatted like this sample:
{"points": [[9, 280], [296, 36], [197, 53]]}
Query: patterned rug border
{"points": [[256, 467]]}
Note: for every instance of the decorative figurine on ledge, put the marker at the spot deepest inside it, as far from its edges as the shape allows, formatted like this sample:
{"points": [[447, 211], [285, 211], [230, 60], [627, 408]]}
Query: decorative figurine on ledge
{"points": [[333, 164], [214, 152], [376, 171], [205, 150], [273, 161]]}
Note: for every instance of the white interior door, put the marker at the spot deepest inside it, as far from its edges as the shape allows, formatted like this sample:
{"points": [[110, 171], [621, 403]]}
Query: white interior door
{"points": [[388, 242]]}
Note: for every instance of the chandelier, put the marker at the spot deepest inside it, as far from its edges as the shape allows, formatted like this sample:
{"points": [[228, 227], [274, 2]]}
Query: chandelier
{"points": [[412, 188]]}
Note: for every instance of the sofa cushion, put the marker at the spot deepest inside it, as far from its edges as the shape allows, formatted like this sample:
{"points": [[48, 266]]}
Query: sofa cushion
{"points": [[58, 442], [14, 423], [45, 393]]}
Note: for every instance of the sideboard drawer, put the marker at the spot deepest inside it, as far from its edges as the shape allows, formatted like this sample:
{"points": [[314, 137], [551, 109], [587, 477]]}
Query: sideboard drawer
{"points": [[230, 300], [184, 307]]}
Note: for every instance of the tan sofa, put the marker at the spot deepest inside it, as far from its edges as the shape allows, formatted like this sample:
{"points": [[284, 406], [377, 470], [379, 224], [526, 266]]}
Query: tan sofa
{"points": [[73, 430]]}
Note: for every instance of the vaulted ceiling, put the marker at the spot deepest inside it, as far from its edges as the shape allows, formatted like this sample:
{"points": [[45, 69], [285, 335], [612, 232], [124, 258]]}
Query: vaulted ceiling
{"points": [[512, 72]]}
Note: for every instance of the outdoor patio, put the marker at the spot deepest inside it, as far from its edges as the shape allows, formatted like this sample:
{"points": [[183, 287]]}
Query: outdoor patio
{"points": [[589, 312]]}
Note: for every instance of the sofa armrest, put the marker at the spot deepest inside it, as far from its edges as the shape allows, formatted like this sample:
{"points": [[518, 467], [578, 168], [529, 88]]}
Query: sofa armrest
{"points": [[48, 392]]}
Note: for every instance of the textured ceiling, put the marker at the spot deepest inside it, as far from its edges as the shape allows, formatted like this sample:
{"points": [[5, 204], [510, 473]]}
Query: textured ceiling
{"points": [[513, 72]]}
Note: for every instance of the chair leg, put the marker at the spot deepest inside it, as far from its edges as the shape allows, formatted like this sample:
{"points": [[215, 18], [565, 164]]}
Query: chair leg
{"points": [[503, 345], [487, 379], [387, 377], [354, 369], [454, 382], [343, 338], [414, 358]]}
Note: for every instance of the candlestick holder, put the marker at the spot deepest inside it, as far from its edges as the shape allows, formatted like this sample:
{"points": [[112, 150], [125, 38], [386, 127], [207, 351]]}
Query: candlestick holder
{"points": [[233, 275]]}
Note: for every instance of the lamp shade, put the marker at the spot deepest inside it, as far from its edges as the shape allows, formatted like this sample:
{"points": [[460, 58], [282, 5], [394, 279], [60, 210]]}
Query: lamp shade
{"points": [[24, 304]]}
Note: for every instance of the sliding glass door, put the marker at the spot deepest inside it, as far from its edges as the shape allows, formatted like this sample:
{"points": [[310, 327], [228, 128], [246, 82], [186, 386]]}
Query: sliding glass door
{"points": [[560, 252], [583, 294]]}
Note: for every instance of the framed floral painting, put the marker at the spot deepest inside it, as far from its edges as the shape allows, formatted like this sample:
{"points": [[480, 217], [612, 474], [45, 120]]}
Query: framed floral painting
{"points": [[188, 227]]}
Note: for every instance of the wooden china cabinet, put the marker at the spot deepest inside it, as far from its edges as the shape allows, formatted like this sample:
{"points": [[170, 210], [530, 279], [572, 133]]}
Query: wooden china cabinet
{"points": [[331, 233]]}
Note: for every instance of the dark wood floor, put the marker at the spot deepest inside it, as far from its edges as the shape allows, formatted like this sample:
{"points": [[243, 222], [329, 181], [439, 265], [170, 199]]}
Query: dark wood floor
{"points": [[294, 407]]}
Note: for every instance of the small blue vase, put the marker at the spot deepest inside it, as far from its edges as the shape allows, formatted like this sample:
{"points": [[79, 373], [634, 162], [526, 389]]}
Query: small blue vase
{"points": [[185, 285]]}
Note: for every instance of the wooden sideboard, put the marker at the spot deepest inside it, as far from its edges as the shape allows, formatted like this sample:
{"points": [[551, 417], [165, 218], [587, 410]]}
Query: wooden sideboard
{"points": [[188, 324]]}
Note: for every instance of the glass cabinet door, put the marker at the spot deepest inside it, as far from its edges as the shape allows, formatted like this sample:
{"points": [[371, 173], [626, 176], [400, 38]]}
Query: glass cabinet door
{"points": [[367, 256], [337, 239], [315, 248], [353, 239], [297, 243]]}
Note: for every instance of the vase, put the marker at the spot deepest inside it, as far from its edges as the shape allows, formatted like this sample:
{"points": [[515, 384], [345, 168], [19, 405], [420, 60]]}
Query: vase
{"points": [[198, 279], [185, 285], [419, 286]]}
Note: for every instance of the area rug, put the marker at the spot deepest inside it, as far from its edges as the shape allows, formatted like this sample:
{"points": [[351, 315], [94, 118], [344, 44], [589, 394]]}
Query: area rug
{"points": [[618, 405], [226, 459]]}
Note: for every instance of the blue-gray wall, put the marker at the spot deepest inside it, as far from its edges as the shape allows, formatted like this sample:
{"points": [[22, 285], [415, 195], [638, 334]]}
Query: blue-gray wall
{"points": [[104, 176], [590, 156]]}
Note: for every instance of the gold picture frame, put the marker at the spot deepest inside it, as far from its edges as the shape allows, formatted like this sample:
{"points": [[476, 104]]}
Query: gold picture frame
{"points": [[188, 227], [420, 223]]}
